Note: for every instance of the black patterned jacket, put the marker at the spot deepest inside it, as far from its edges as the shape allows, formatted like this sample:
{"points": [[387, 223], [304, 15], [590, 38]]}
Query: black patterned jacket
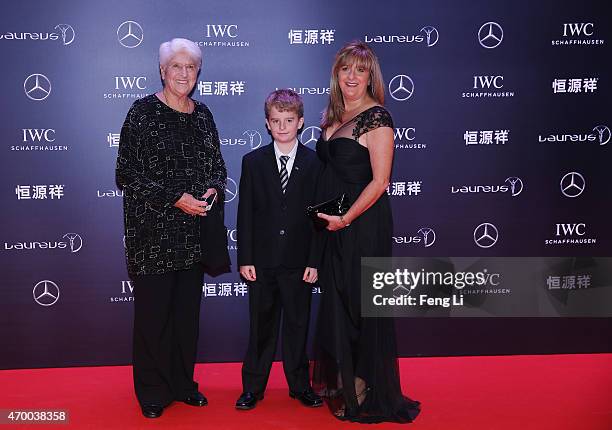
{"points": [[164, 153]]}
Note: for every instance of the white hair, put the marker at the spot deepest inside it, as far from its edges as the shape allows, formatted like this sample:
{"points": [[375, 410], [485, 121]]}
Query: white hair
{"points": [[167, 50]]}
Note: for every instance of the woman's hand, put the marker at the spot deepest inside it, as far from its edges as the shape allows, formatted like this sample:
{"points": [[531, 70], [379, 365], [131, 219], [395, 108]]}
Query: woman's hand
{"points": [[333, 222], [209, 192], [206, 197], [310, 275], [190, 205]]}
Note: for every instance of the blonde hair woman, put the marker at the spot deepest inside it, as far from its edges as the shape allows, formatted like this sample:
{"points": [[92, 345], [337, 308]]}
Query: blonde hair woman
{"points": [[356, 367]]}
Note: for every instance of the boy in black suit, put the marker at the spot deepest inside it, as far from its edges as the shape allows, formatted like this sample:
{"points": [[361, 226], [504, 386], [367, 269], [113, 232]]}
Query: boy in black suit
{"points": [[275, 251]]}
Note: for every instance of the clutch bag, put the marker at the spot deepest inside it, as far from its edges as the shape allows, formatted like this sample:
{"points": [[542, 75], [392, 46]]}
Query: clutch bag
{"points": [[337, 206], [213, 241]]}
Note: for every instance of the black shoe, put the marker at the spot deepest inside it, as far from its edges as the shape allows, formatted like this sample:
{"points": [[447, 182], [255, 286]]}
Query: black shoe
{"points": [[308, 398], [196, 399], [152, 410], [248, 400]]}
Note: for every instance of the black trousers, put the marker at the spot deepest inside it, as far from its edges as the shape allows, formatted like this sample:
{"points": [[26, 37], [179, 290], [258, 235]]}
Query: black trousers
{"points": [[275, 290], [166, 326]]}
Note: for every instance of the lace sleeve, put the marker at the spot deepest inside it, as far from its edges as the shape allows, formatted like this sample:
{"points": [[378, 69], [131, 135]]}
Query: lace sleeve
{"points": [[372, 119]]}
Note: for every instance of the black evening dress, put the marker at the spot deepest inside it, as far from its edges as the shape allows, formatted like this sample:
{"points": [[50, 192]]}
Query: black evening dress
{"points": [[348, 346]]}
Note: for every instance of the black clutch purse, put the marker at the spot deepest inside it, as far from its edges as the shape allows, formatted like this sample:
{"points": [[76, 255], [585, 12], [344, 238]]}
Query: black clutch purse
{"points": [[213, 239], [338, 206]]}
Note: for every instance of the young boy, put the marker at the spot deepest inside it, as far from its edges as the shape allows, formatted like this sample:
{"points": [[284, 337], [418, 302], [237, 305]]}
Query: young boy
{"points": [[275, 251]]}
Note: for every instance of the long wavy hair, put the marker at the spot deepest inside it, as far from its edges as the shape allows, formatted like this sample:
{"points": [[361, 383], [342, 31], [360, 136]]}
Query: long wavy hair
{"points": [[355, 52]]}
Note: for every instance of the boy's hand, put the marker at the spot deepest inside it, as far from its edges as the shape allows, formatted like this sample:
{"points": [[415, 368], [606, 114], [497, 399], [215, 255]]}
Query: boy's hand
{"points": [[310, 275], [248, 273]]}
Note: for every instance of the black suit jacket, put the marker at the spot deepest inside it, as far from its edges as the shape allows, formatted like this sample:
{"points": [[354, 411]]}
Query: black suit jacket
{"points": [[273, 228]]}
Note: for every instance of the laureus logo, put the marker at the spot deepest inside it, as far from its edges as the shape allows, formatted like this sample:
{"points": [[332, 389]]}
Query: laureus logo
{"points": [[67, 32]]}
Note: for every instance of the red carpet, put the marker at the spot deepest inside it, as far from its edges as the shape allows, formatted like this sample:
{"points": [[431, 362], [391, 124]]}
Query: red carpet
{"points": [[493, 393]]}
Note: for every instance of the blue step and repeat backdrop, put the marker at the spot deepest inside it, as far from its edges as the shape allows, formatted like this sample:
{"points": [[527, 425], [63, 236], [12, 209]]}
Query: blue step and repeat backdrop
{"points": [[502, 116]]}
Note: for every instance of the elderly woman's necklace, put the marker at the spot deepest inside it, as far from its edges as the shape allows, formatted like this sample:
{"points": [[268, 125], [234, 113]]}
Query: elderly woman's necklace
{"points": [[181, 109]]}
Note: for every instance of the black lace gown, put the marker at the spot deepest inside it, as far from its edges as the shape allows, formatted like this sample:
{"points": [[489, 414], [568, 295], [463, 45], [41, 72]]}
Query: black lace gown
{"points": [[348, 346]]}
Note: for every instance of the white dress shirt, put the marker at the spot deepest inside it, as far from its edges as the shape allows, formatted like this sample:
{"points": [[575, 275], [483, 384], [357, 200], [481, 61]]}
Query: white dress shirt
{"points": [[291, 156]]}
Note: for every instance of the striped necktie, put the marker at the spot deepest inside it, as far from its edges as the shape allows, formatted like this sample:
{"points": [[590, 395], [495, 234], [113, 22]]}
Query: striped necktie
{"points": [[284, 175]]}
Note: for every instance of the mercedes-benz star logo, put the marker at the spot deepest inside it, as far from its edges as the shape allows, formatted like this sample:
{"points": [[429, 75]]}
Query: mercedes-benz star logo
{"points": [[572, 184], [37, 87], [67, 33], [231, 190], [76, 241], [516, 185], [432, 35], [401, 88], [603, 134], [490, 35], [308, 134], [401, 290], [254, 138], [486, 235], [429, 236], [46, 293], [130, 34]]}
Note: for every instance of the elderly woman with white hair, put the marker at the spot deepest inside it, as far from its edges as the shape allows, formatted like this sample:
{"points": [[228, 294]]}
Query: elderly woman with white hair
{"points": [[171, 170]]}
